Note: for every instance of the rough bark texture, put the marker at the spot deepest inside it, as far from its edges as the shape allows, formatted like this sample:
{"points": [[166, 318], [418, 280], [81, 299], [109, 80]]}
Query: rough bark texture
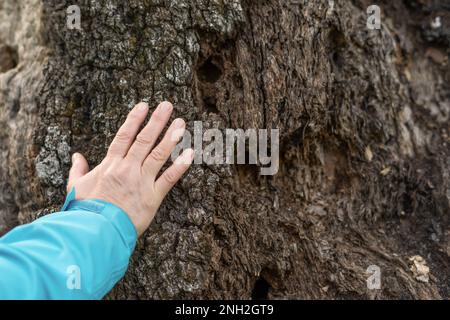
{"points": [[363, 117]]}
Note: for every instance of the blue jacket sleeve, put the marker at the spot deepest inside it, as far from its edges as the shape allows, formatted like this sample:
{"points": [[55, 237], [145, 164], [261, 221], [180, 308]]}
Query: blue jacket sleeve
{"points": [[78, 253]]}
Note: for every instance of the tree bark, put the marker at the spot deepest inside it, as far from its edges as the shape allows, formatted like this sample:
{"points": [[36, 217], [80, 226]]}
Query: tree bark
{"points": [[364, 146]]}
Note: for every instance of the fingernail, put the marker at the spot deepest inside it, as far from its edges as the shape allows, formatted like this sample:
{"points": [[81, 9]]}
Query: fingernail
{"points": [[178, 123], [177, 134], [142, 106], [166, 106], [74, 157], [190, 154]]}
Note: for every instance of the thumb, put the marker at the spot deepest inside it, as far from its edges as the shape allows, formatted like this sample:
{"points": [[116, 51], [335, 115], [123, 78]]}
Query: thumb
{"points": [[79, 168]]}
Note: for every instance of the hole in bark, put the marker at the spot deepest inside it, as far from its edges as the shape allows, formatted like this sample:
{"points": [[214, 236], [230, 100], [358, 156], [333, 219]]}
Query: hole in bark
{"points": [[338, 44], [15, 108], [238, 81], [210, 105], [209, 72], [260, 289], [337, 39], [9, 58]]}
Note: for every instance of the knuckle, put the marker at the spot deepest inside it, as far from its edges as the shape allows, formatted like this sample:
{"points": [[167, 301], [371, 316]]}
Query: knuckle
{"points": [[171, 176], [158, 154], [123, 136], [143, 140]]}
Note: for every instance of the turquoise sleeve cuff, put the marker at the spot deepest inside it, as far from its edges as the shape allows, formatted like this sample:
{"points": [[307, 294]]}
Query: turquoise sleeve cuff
{"points": [[121, 221]]}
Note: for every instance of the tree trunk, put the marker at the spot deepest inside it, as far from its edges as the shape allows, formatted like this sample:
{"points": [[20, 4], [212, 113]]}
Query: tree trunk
{"points": [[364, 137]]}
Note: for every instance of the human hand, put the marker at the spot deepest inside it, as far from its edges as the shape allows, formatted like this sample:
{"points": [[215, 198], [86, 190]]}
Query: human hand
{"points": [[127, 175]]}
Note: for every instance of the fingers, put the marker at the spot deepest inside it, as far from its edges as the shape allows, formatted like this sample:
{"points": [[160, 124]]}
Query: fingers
{"points": [[80, 167], [146, 139], [127, 132], [159, 155], [174, 173]]}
